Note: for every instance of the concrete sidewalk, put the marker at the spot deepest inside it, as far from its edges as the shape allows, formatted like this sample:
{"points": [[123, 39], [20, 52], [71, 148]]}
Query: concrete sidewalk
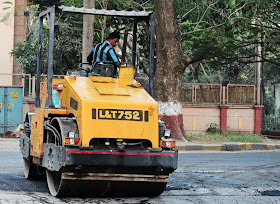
{"points": [[187, 146]]}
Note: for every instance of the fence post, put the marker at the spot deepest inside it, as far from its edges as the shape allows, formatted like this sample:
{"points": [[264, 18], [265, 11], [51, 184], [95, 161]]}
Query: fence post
{"points": [[224, 95], [23, 84], [248, 95], [223, 118], [193, 93], [29, 85], [258, 119], [33, 86]]}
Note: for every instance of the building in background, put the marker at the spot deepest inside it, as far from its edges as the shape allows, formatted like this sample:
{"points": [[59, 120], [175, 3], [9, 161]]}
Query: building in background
{"points": [[12, 30]]}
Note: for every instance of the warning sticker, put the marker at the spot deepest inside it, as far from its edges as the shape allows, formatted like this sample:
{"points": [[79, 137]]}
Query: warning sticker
{"points": [[14, 94]]}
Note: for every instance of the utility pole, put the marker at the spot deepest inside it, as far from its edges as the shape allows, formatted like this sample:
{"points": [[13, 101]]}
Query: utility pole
{"points": [[258, 64]]}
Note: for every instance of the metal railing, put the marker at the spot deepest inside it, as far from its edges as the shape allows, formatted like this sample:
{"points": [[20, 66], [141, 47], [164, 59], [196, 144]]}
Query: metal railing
{"points": [[27, 82], [204, 93], [24, 80], [193, 93], [207, 93], [187, 94], [241, 94], [201, 93]]}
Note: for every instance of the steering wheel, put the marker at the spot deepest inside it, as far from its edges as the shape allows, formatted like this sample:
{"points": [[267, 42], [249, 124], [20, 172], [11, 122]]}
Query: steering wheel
{"points": [[87, 70]]}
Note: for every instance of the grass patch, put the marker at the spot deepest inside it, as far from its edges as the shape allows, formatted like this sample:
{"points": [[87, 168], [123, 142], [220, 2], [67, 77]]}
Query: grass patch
{"points": [[227, 137]]}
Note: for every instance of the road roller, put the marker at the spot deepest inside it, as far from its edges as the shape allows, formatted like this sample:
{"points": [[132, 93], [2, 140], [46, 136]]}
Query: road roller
{"points": [[95, 134]]}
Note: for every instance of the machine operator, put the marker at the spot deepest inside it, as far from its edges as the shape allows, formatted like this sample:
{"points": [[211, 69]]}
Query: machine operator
{"points": [[104, 52]]}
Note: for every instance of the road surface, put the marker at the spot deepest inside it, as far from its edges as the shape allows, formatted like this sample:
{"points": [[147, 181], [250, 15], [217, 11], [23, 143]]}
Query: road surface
{"points": [[204, 177]]}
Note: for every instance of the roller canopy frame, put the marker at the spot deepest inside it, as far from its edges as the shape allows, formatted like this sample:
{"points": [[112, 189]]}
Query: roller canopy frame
{"points": [[50, 13], [104, 12]]}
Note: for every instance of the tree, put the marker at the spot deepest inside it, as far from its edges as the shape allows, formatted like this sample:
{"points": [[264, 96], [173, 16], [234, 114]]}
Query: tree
{"points": [[67, 52], [220, 35], [171, 64], [88, 30]]}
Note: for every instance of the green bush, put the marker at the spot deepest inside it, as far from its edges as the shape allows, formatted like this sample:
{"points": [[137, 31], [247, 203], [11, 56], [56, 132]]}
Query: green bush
{"points": [[213, 128]]}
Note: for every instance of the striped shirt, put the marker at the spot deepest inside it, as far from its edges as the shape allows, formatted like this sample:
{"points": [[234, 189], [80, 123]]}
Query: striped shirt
{"points": [[103, 52]]}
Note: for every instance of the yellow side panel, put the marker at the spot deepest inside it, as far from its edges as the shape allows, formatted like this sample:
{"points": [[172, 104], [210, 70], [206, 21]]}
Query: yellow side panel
{"points": [[37, 129], [37, 133], [72, 101]]}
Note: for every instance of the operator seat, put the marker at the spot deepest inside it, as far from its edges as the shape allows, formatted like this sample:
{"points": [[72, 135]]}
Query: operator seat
{"points": [[106, 69]]}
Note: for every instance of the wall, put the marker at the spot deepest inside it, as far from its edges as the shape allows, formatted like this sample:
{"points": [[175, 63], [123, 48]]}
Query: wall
{"points": [[6, 42], [19, 35], [237, 118], [241, 119], [12, 30], [197, 118]]}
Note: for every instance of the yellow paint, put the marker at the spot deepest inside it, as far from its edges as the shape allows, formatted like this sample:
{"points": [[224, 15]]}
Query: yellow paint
{"points": [[241, 146], [239, 123], [248, 146], [10, 105], [270, 146], [212, 148], [118, 115], [194, 123], [2, 105], [14, 94]]}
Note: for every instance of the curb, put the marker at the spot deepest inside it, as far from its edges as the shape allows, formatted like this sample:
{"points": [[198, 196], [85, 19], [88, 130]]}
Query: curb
{"points": [[185, 146], [227, 147]]}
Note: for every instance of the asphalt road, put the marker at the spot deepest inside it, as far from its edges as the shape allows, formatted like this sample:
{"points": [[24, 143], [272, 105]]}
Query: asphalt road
{"points": [[205, 177]]}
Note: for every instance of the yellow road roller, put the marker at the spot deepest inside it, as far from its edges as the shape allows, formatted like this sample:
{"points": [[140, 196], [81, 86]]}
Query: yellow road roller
{"points": [[102, 139]]}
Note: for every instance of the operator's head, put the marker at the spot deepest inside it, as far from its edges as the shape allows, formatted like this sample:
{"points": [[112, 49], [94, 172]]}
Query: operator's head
{"points": [[114, 38]]}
